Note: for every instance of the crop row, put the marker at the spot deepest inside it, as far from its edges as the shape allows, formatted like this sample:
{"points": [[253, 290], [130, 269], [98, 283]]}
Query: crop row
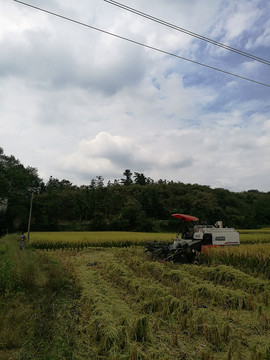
{"points": [[189, 279], [109, 328], [153, 313], [134, 308], [258, 236], [233, 278], [83, 245], [59, 240], [253, 259], [97, 236]]}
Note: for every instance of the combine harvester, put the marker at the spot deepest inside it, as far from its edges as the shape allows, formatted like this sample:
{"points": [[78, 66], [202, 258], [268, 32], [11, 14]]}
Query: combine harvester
{"points": [[191, 239]]}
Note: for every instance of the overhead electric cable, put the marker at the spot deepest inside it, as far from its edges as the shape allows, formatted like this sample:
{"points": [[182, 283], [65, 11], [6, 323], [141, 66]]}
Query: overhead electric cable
{"points": [[175, 27], [141, 44]]}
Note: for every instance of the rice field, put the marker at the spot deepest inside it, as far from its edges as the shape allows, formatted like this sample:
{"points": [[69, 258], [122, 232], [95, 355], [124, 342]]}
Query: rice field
{"points": [[55, 240], [133, 308], [255, 236]]}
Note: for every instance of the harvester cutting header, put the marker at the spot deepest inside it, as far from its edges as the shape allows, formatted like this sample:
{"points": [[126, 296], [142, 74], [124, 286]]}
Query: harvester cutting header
{"points": [[192, 238]]}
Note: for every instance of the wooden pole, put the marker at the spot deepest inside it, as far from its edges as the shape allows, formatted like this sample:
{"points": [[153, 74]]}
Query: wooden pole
{"points": [[30, 215]]}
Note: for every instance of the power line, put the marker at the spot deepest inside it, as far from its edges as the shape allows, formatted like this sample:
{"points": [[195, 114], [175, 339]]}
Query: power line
{"points": [[175, 27], [141, 44]]}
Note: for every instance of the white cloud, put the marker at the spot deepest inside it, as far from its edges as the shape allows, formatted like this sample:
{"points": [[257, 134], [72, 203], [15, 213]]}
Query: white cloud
{"points": [[105, 155], [76, 103], [245, 15]]}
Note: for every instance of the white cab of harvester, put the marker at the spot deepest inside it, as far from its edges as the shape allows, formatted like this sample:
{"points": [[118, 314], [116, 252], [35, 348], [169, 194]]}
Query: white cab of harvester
{"points": [[220, 235]]}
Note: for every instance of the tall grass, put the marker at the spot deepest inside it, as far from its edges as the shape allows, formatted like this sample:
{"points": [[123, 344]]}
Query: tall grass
{"points": [[14, 268], [33, 300]]}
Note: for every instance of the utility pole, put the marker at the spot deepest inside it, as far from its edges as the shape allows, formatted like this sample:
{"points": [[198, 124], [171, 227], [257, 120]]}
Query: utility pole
{"points": [[30, 215]]}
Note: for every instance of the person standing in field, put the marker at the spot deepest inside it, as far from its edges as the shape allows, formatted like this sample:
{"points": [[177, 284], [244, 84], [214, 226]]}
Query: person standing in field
{"points": [[22, 241]]}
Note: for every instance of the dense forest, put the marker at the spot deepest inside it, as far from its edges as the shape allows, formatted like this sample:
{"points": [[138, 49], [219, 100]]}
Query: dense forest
{"points": [[132, 203]]}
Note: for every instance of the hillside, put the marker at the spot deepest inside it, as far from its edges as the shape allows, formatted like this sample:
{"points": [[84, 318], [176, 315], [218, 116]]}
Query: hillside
{"points": [[133, 203]]}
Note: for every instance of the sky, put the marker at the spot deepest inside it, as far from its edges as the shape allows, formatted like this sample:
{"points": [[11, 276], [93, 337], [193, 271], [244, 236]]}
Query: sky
{"points": [[77, 103]]}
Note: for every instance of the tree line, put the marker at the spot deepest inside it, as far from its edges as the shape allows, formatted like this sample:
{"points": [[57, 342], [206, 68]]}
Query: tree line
{"points": [[134, 202]]}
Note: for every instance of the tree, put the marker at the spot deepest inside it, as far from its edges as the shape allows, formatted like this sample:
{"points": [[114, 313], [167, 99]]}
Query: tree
{"points": [[140, 179], [128, 180], [15, 183]]}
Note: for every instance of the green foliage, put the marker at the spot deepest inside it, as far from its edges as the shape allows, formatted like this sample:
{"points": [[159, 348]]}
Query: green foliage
{"points": [[145, 207], [15, 183], [134, 203]]}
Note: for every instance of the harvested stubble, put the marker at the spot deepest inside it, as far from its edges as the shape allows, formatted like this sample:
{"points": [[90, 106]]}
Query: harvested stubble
{"points": [[112, 328], [156, 298], [234, 279], [184, 283], [137, 309]]}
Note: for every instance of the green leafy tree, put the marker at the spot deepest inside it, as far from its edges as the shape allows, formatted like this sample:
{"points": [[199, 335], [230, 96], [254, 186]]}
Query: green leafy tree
{"points": [[16, 184]]}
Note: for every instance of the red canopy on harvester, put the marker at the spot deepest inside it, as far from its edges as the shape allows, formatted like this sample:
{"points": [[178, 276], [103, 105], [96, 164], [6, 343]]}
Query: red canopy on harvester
{"points": [[185, 217]]}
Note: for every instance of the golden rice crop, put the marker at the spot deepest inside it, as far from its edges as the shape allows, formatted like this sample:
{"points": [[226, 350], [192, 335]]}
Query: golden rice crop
{"points": [[253, 259], [255, 236], [57, 240]]}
